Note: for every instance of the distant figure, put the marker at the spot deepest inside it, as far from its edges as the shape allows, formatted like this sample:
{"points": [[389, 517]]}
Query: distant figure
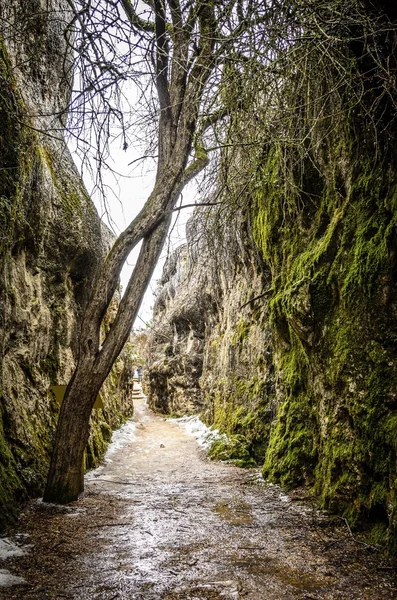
{"points": [[139, 374]]}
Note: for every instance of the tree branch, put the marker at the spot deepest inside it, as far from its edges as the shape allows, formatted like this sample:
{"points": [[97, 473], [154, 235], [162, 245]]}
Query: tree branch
{"points": [[179, 208], [135, 19], [213, 118], [162, 56], [131, 301], [199, 163]]}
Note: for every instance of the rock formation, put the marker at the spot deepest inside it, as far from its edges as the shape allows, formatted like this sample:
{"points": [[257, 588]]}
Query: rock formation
{"points": [[294, 279], [300, 377], [210, 348], [51, 240]]}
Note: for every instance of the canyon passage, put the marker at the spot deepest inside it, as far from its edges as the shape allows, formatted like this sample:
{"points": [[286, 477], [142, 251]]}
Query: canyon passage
{"points": [[159, 520]]}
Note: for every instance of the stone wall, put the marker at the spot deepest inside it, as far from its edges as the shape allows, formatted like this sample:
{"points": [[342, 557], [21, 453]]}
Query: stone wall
{"points": [[51, 240], [210, 350]]}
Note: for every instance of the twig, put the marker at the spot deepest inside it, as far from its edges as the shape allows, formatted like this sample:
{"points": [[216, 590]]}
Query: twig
{"points": [[375, 548], [256, 298], [195, 205], [115, 481], [143, 158], [111, 525]]}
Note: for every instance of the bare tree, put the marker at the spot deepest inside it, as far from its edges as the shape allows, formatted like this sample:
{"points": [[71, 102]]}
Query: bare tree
{"points": [[183, 45]]}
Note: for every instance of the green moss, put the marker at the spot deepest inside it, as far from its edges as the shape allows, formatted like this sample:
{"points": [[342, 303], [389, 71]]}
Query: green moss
{"points": [[71, 192], [50, 366], [332, 313], [241, 332], [11, 293], [233, 449], [96, 446], [10, 486], [241, 410], [17, 155], [292, 453]]}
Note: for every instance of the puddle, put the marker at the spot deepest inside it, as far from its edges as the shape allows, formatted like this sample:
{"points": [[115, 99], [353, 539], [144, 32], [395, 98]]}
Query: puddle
{"points": [[235, 512]]}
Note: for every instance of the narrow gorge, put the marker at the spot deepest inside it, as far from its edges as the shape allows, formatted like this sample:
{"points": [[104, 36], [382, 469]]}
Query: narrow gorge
{"points": [[274, 321]]}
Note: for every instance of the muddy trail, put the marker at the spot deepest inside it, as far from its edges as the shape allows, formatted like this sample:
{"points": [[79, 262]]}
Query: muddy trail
{"points": [[160, 521]]}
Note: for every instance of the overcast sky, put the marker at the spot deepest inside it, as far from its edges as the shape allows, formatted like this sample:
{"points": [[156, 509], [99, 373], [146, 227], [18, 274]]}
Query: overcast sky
{"points": [[126, 195]]}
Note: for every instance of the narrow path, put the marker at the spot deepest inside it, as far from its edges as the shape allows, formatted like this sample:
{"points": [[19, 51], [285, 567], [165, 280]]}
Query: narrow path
{"points": [[160, 521]]}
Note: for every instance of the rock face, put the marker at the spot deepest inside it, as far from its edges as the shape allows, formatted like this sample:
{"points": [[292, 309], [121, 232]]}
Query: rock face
{"points": [[51, 240], [210, 350], [295, 290], [175, 350], [296, 366]]}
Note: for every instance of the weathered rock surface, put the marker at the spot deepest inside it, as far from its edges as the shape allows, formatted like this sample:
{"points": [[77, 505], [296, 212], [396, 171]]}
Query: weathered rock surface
{"points": [[297, 354], [178, 337], [51, 240], [300, 378], [210, 349]]}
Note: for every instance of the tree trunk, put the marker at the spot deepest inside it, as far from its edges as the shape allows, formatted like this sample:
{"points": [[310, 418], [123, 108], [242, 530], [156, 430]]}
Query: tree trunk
{"points": [[179, 101], [65, 478]]}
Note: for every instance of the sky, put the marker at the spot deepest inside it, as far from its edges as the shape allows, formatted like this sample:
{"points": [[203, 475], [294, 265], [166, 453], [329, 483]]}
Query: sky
{"points": [[126, 195]]}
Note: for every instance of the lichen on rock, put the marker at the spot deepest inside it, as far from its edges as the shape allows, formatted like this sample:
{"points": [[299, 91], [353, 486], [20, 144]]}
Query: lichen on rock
{"points": [[51, 242]]}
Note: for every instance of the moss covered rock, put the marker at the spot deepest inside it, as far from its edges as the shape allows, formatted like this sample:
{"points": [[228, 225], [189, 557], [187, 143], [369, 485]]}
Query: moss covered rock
{"points": [[51, 242], [298, 268]]}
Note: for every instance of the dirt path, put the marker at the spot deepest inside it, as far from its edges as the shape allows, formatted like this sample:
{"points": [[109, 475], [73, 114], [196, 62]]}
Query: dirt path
{"points": [[160, 521]]}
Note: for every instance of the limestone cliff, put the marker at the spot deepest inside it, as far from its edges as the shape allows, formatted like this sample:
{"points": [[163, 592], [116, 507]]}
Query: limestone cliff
{"points": [[51, 240], [210, 348], [298, 304]]}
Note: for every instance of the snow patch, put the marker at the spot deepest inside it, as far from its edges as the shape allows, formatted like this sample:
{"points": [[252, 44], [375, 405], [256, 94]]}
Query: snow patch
{"points": [[256, 478], [7, 579], [120, 439], [8, 549], [284, 498], [204, 435]]}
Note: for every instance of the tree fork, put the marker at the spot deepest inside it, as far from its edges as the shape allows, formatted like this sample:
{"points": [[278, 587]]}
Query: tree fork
{"points": [[185, 59]]}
